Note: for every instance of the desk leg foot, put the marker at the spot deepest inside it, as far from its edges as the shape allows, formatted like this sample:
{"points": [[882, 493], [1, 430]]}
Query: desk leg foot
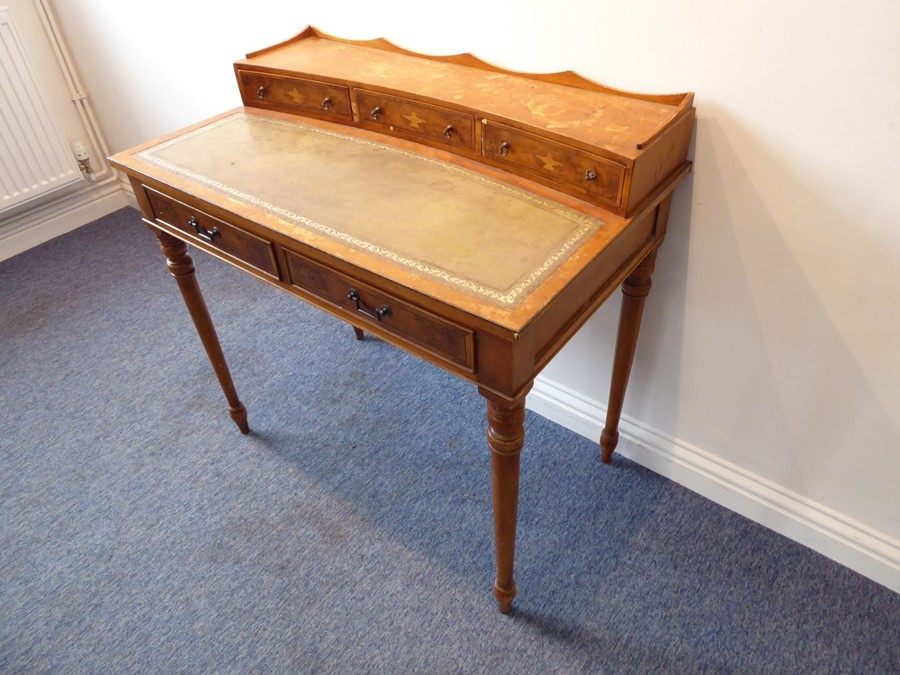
{"points": [[608, 442], [506, 435], [359, 333], [239, 415], [181, 265], [634, 290]]}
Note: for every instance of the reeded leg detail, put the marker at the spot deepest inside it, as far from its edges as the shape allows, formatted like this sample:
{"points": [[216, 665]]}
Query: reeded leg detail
{"points": [[634, 290], [506, 435], [182, 268]]}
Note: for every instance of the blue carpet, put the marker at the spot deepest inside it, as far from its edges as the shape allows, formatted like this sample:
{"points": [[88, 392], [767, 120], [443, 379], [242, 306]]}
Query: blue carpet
{"points": [[351, 531]]}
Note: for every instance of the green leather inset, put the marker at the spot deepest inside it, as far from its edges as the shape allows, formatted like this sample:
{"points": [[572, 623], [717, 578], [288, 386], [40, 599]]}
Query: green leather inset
{"points": [[449, 224]]}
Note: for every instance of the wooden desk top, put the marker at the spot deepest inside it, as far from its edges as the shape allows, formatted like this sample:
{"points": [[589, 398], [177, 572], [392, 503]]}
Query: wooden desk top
{"points": [[440, 221], [490, 244]]}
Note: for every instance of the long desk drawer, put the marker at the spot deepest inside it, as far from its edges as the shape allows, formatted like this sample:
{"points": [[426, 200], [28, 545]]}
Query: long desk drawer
{"points": [[217, 234], [364, 305]]}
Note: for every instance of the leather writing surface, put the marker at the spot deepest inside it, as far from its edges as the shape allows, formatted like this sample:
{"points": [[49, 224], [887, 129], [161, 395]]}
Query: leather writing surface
{"points": [[447, 223]]}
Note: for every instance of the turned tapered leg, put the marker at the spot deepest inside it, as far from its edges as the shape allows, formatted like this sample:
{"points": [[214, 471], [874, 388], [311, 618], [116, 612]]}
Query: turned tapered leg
{"points": [[634, 290], [359, 333], [182, 268], [506, 435]]}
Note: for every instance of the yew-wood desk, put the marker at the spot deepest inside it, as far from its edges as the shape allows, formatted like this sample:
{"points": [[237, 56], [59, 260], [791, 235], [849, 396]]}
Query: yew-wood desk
{"points": [[472, 216]]}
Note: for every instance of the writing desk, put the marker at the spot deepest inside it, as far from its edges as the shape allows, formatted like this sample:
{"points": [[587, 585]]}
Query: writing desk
{"points": [[469, 215]]}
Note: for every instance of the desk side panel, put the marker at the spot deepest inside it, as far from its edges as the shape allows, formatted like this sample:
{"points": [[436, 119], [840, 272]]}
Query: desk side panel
{"points": [[660, 160], [560, 320]]}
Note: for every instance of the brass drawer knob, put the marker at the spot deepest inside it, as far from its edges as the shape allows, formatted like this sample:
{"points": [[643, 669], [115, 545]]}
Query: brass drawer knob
{"points": [[504, 148], [376, 112], [261, 92], [448, 132], [590, 174], [326, 103]]}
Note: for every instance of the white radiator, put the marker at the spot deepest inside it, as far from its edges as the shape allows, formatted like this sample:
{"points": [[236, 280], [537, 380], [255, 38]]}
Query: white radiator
{"points": [[35, 159]]}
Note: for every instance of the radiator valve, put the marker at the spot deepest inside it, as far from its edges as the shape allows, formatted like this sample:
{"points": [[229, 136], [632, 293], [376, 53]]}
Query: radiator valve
{"points": [[82, 157]]}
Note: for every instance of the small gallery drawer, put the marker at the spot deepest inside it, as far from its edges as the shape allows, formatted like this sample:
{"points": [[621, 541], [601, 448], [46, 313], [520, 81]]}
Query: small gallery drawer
{"points": [[292, 94], [427, 331], [405, 116], [219, 235], [598, 177]]}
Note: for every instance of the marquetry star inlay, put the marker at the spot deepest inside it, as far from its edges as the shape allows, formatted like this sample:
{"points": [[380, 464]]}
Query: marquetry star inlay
{"points": [[550, 164], [414, 120]]}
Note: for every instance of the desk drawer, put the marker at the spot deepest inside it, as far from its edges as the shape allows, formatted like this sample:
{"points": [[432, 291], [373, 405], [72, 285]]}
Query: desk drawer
{"points": [[599, 178], [217, 234], [296, 95], [365, 306], [405, 116]]}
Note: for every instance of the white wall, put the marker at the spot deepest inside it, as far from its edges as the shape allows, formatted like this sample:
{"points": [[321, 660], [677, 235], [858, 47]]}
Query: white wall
{"points": [[770, 344]]}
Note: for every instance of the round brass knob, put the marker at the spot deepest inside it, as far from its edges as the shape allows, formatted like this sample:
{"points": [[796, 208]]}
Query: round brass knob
{"points": [[448, 132], [590, 174], [326, 103], [376, 112], [504, 148], [261, 92]]}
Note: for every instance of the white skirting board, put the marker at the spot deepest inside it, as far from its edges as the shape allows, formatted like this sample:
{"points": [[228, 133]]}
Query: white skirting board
{"points": [[847, 541], [63, 215]]}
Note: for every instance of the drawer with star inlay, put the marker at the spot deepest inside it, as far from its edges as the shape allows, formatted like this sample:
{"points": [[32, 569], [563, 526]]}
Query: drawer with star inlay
{"points": [[295, 95], [570, 167], [404, 116]]}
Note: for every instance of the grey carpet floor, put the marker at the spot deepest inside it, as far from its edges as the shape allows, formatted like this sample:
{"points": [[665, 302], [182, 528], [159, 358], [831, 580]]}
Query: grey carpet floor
{"points": [[351, 531]]}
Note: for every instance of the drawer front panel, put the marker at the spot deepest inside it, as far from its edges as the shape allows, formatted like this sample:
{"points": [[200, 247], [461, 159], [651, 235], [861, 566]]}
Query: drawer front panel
{"points": [[366, 305], [292, 94], [236, 243], [597, 177], [402, 115]]}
